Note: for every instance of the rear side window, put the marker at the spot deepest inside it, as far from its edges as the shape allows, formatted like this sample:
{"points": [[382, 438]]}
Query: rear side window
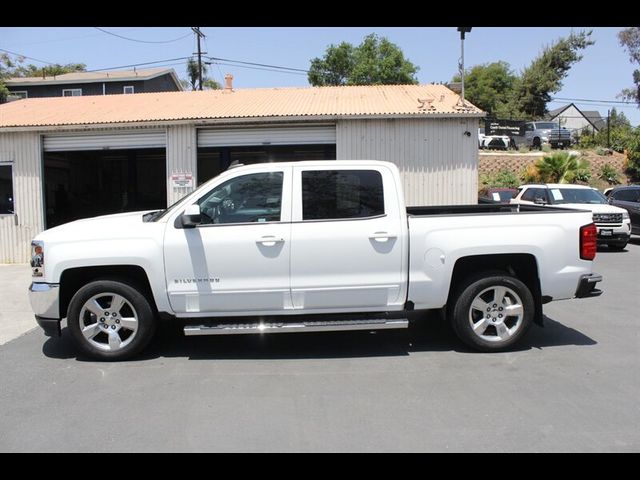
{"points": [[534, 193], [626, 195], [339, 194]]}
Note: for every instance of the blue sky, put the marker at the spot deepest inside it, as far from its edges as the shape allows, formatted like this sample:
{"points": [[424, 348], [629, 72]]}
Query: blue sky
{"points": [[603, 72]]}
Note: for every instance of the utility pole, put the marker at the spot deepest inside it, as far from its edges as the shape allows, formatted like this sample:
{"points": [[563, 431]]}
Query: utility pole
{"points": [[463, 31], [608, 128], [199, 36]]}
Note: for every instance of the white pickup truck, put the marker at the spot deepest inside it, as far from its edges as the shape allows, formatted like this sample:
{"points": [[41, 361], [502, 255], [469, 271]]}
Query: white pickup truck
{"points": [[308, 246]]}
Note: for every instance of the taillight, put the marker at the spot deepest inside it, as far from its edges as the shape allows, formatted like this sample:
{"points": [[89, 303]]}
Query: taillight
{"points": [[588, 241]]}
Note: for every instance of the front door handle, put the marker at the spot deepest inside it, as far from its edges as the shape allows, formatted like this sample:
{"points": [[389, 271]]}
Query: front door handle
{"points": [[382, 236], [269, 240]]}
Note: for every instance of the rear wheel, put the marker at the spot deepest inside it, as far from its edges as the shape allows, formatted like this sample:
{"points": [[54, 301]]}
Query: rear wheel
{"points": [[110, 320], [537, 144], [492, 312]]}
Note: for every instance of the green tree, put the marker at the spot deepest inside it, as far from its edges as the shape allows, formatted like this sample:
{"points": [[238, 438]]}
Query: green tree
{"points": [[544, 76], [630, 39], [376, 61], [562, 167], [633, 155], [192, 73], [489, 87]]}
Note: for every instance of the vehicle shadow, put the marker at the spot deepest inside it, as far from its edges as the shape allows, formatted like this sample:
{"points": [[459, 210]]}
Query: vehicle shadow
{"points": [[429, 334]]}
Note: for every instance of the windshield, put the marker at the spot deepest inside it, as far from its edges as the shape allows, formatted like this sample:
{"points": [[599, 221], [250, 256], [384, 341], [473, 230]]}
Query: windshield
{"points": [[576, 195], [505, 195], [546, 125]]}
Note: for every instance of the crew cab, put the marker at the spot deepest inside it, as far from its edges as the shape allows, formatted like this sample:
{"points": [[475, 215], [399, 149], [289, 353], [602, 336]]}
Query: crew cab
{"points": [[613, 223], [308, 246], [538, 133]]}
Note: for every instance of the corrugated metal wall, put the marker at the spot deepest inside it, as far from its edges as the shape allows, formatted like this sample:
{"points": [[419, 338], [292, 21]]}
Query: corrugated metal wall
{"points": [[16, 231], [437, 161], [182, 151]]}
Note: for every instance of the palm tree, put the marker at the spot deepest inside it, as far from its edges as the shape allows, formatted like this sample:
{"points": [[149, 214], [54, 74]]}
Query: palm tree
{"points": [[561, 167]]}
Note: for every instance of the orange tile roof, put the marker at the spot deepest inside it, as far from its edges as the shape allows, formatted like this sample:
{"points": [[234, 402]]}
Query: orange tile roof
{"points": [[307, 102]]}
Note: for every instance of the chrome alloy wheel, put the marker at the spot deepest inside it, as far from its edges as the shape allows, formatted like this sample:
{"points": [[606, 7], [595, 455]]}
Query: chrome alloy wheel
{"points": [[496, 314], [108, 321]]}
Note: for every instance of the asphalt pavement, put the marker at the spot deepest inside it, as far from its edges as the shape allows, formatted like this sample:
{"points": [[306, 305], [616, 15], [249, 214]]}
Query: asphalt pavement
{"points": [[572, 386]]}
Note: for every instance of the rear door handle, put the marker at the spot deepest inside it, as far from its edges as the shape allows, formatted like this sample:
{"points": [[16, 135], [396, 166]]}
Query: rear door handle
{"points": [[382, 236], [269, 240]]}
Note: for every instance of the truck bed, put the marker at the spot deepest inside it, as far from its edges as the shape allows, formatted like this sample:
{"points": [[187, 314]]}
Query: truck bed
{"points": [[421, 211]]}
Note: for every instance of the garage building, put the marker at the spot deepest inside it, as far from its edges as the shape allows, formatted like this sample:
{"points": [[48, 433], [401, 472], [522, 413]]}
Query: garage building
{"points": [[67, 158]]}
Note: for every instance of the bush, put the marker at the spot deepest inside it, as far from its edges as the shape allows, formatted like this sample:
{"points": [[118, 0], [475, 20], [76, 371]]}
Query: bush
{"points": [[502, 179], [562, 167], [582, 175], [609, 174], [633, 156], [530, 174]]}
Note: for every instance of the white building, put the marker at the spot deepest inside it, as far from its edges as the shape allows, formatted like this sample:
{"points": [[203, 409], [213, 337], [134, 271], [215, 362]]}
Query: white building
{"points": [[67, 158], [576, 120]]}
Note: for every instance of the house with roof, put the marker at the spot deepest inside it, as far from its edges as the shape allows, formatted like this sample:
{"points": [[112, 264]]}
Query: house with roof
{"points": [[95, 83], [68, 158], [576, 120]]}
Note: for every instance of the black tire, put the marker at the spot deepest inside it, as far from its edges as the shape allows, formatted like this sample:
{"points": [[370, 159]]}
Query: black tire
{"points": [[105, 328], [537, 144], [462, 315]]}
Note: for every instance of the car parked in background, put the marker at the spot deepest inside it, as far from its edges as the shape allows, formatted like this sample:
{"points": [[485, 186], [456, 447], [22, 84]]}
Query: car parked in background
{"points": [[628, 198], [537, 134], [496, 195], [498, 142], [613, 223]]}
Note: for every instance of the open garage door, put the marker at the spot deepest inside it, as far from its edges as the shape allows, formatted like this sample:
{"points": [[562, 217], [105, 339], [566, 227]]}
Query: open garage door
{"points": [[108, 141], [219, 147], [86, 175], [235, 137]]}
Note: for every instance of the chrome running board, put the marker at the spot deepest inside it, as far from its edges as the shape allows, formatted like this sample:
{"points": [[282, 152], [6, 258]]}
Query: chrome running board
{"points": [[297, 327]]}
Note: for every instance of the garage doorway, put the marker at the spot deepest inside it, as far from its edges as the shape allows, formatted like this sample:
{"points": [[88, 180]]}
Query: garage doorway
{"points": [[82, 184], [214, 160]]}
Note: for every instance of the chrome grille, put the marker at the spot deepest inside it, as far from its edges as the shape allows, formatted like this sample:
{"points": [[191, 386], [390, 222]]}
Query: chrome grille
{"points": [[607, 217]]}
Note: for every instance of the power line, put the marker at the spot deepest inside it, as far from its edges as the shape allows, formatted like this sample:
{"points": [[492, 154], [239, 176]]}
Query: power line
{"points": [[257, 68], [25, 56], [590, 100], [139, 64], [259, 64], [142, 41]]}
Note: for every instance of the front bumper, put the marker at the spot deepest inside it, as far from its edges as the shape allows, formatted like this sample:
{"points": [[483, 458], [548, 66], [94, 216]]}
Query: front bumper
{"points": [[45, 303], [618, 237], [587, 286]]}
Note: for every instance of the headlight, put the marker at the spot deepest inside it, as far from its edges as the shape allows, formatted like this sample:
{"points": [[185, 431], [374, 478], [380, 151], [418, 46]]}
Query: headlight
{"points": [[37, 258], [625, 215]]}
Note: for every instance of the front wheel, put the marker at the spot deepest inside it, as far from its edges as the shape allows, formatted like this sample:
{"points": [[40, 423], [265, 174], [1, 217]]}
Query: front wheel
{"points": [[110, 320], [492, 312]]}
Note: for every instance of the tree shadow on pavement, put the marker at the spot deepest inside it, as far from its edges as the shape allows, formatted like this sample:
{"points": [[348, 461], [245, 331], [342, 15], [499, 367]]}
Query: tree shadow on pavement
{"points": [[432, 333]]}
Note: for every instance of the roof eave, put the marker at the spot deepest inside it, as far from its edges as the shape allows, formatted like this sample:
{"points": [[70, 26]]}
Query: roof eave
{"points": [[138, 78], [200, 122]]}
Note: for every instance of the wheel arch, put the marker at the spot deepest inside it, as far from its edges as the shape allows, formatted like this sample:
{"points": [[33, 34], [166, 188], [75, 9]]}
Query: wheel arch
{"points": [[72, 279], [523, 266]]}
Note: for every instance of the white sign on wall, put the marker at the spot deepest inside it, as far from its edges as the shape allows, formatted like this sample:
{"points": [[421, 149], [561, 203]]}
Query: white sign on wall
{"points": [[182, 180]]}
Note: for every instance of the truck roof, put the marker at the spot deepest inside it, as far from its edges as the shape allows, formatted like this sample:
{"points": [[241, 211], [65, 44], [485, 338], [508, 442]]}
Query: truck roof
{"points": [[324, 163]]}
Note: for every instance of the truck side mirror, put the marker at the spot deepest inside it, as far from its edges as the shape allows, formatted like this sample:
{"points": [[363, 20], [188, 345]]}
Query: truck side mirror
{"points": [[540, 201], [191, 216]]}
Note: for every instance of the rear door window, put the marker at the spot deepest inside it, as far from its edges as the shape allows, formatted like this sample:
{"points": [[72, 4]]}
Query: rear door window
{"points": [[341, 194]]}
